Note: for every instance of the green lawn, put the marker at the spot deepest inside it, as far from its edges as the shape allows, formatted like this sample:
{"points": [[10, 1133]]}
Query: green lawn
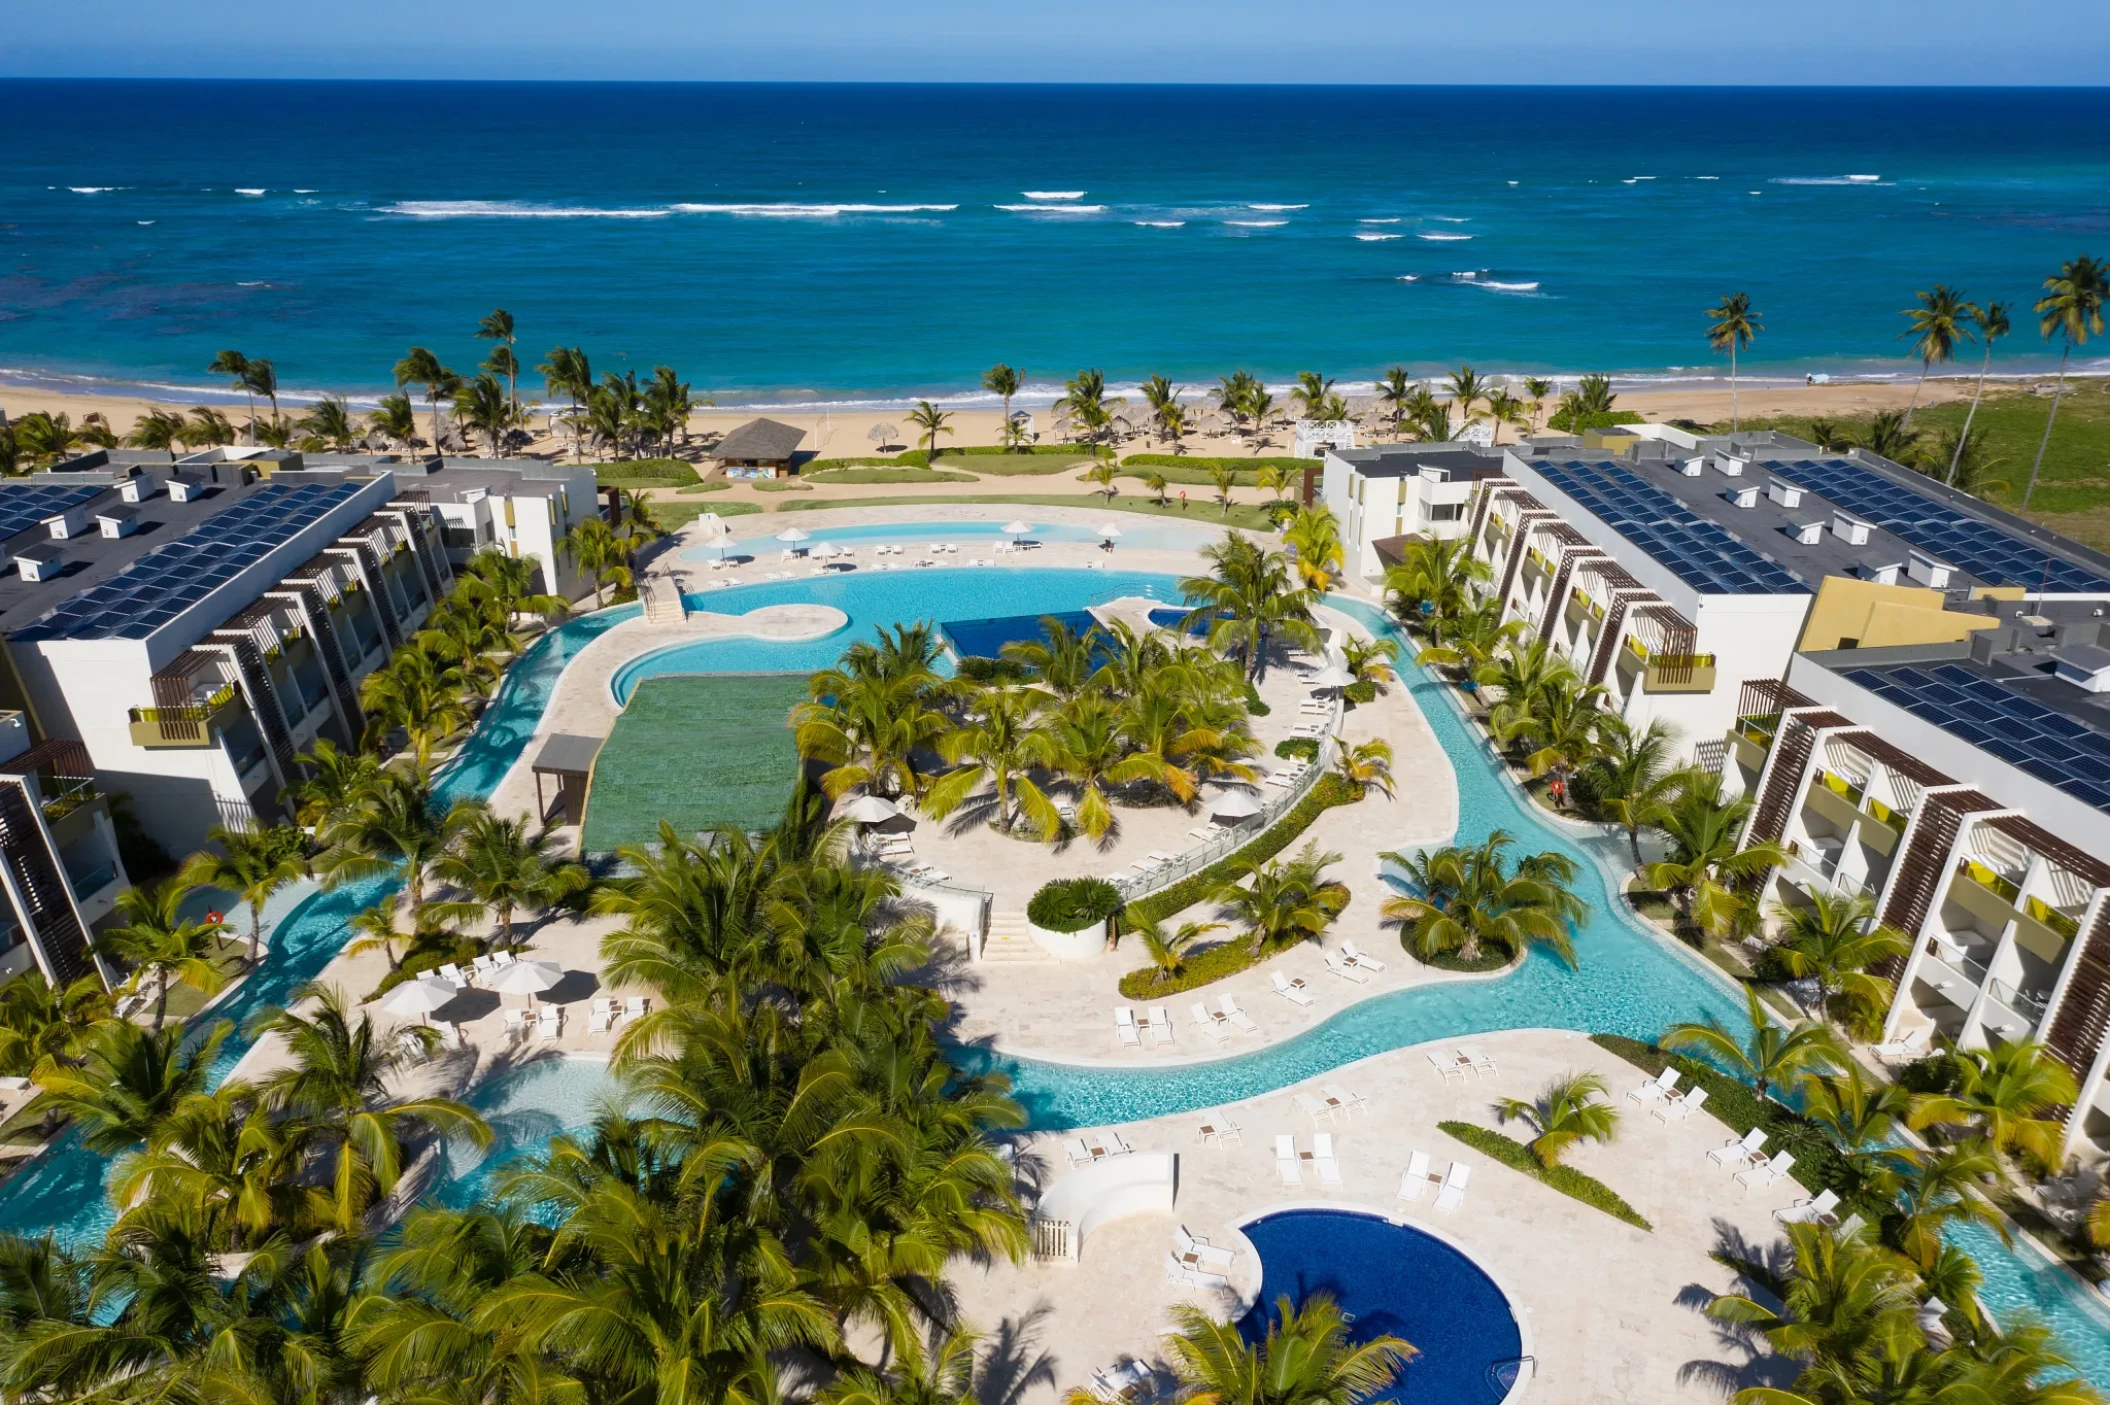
{"points": [[672, 515], [1014, 465], [885, 475], [651, 472], [185, 1001], [1200, 512], [696, 752]]}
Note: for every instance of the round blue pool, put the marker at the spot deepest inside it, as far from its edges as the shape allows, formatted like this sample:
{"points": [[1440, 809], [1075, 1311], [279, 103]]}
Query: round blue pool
{"points": [[1393, 1280]]}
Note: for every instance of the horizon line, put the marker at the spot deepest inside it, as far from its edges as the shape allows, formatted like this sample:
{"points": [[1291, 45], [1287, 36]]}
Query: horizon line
{"points": [[376, 80]]}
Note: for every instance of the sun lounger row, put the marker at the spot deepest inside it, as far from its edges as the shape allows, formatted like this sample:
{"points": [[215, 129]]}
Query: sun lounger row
{"points": [[1289, 1162], [1670, 1103], [1217, 1024], [1461, 1061], [603, 1014], [1748, 1152], [1330, 1101], [1083, 1151], [1450, 1190], [1123, 1384], [547, 1024]]}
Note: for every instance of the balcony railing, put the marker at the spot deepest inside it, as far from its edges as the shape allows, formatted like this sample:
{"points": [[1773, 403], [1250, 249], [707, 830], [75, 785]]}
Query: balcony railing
{"points": [[2029, 1003], [1995, 883], [67, 794], [2065, 926], [192, 725], [87, 885]]}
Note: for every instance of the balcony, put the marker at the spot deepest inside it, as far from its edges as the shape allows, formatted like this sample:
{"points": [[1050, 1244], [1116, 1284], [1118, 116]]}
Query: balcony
{"points": [[1819, 865], [62, 795], [2016, 1013], [1956, 978], [87, 885], [196, 726], [1672, 673], [1999, 885]]}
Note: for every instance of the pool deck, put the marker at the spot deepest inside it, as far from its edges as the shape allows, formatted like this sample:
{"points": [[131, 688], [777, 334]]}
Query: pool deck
{"points": [[1607, 1309]]}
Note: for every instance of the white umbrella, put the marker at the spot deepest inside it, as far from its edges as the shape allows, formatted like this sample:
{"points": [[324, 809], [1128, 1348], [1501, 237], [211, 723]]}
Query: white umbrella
{"points": [[1109, 530], [1017, 529], [870, 809], [828, 550], [715, 531], [1235, 805], [526, 978], [792, 534], [419, 997], [1333, 676]]}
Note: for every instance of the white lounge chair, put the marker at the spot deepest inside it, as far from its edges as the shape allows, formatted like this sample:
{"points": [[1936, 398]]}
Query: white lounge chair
{"points": [[1161, 1024], [1200, 1250], [1234, 1016], [1286, 1161], [1455, 1181], [1478, 1060], [1741, 1151], [1679, 1107], [636, 1006], [1448, 1066], [1125, 1028], [1222, 1129], [1292, 991], [1345, 972], [1808, 1211], [482, 965], [1656, 1088], [1898, 1051], [1360, 958], [502, 959], [1212, 1025], [1116, 1147], [1077, 1151], [1415, 1179], [551, 1022], [1191, 1277], [1343, 1100], [1322, 1157], [1311, 1107], [600, 1019], [1766, 1170], [452, 974]]}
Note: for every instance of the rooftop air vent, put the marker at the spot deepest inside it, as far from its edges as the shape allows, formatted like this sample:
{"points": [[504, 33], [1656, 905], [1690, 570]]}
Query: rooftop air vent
{"points": [[1881, 572], [70, 523], [186, 487], [1693, 468], [1784, 493], [1808, 533], [1928, 570], [1849, 529], [1730, 466], [139, 488], [2083, 665], [117, 521], [1743, 496], [40, 562]]}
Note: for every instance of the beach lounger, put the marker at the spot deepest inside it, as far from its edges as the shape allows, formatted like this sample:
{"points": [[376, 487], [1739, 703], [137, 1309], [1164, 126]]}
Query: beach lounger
{"points": [[1448, 1067], [1322, 1157], [1220, 1127], [1455, 1181], [1234, 1016], [1898, 1051], [502, 959], [1476, 1059], [1360, 958], [1116, 1147], [1415, 1179], [1077, 1151], [1344, 971], [482, 966], [1292, 991], [600, 1017], [1200, 1251], [452, 974], [1161, 1024], [1212, 1025], [551, 1023], [1656, 1088], [1737, 1153], [1808, 1211], [1280, 779], [1125, 1028], [1766, 1170], [1187, 1276], [1286, 1162], [1343, 1100], [1678, 1107], [635, 1007], [1311, 1107]]}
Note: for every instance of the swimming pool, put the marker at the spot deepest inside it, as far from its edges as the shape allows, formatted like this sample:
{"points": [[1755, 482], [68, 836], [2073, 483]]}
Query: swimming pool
{"points": [[526, 1106], [1146, 533], [1393, 1280]]}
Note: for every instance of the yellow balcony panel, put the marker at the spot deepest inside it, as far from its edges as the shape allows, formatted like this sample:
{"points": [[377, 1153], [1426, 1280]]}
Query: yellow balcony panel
{"points": [[1679, 673]]}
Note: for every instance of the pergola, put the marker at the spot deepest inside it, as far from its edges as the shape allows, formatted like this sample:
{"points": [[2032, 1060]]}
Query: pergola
{"points": [[570, 759]]}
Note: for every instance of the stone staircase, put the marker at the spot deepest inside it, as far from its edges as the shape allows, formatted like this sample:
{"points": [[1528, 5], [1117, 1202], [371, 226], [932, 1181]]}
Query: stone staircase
{"points": [[1010, 940], [662, 601]]}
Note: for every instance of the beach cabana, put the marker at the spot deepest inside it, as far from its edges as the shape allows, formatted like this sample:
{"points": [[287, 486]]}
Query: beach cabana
{"points": [[570, 760], [761, 448]]}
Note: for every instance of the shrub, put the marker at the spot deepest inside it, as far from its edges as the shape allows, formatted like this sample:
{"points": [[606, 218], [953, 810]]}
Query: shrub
{"points": [[780, 485], [1073, 904], [1565, 1179], [1361, 693], [1563, 422], [1330, 791], [1491, 958], [1298, 748], [1214, 963], [663, 470], [1253, 705], [1066, 450], [885, 475], [977, 669]]}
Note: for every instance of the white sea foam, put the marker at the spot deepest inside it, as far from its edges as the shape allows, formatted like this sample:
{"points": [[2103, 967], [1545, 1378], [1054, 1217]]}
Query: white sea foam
{"points": [[793, 210], [1278, 207], [146, 221], [1389, 219], [248, 190], [1706, 178], [1829, 180], [1512, 182], [303, 190], [1494, 287], [258, 284], [1444, 238], [1864, 179], [1410, 278], [1161, 224], [511, 210], [1453, 219], [1258, 224], [1042, 209], [1053, 194], [93, 189], [1376, 238]]}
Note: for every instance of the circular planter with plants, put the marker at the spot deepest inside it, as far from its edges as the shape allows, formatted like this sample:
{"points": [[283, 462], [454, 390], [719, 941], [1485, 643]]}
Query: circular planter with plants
{"points": [[1069, 916]]}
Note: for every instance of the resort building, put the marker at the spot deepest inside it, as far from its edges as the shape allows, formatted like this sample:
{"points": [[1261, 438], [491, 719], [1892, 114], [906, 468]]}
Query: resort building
{"points": [[524, 508], [60, 869], [762, 448], [1385, 494], [193, 627]]}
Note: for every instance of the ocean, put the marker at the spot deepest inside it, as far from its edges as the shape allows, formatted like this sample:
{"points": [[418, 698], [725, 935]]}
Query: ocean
{"points": [[849, 243]]}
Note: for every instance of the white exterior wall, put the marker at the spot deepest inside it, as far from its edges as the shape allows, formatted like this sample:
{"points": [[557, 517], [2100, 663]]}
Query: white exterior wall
{"points": [[1372, 508]]}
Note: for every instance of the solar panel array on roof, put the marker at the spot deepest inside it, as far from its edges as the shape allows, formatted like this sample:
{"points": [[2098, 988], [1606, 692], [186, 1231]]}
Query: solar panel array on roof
{"points": [[26, 506], [2014, 727], [1995, 556], [170, 579], [1703, 554]]}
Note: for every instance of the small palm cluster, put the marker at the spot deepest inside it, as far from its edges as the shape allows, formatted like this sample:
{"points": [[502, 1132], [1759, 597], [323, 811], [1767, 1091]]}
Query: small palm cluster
{"points": [[1461, 900]]}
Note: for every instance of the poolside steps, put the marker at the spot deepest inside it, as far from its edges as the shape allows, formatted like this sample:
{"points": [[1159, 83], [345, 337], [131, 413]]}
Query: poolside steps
{"points": [[1010, 940], [663, 602]]}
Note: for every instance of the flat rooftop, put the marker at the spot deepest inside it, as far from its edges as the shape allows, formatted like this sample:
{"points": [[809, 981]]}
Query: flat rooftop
{"points": [[1695, 545], [1408, 460]]}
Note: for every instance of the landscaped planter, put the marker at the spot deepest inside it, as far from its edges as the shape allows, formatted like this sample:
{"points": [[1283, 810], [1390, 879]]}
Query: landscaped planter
{"points": [[1071, 946]]}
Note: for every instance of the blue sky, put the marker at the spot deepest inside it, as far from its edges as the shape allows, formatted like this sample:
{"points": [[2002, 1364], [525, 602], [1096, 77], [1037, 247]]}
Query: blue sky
{"points": [[1930, 42]]}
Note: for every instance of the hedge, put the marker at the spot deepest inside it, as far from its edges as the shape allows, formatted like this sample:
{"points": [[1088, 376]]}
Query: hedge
{"points": [[1073, 904], [780, 485], [1206, 462], [659, 470], [885, 475], [1215, 964], [1298, 748], [1731, 1101], [1565, 1179]]}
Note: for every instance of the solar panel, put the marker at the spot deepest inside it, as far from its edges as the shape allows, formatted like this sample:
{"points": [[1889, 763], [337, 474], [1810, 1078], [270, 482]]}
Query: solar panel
{"points": [[171, 578], [2044, 742], [26, 505], [1703, 554], [1994, 555]]}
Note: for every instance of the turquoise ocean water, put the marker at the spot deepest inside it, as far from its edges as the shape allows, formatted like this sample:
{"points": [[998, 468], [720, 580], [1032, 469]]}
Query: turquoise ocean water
{"points": [[838, 242]]}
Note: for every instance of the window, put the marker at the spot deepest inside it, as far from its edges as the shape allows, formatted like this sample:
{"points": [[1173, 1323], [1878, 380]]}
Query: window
{"points": [[1442, 511], [460, 538]]}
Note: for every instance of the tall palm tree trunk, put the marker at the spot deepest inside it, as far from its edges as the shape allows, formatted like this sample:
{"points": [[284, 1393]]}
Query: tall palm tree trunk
{"points": [[1964, 437], [1732, 386], [2049, 420], [1914, 403]]}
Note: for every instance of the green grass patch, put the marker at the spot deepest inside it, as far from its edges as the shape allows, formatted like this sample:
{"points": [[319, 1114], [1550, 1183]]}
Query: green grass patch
{"points": [[1195, 469], [1201, 514], [716, 485], [1029, 451], [669, 516], [779, 485], [1565, 1179], [885, 475], [1023, 465], [1738, 1105], [907, 458], [696, 752], [185, 1001], [656, 472]]}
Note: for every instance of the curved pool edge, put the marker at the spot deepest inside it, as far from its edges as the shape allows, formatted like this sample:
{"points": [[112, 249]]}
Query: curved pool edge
{"points": [[1519, 1315]]}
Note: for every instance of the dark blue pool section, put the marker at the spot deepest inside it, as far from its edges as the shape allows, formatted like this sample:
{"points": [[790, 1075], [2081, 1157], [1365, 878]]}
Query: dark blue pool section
{"points": [[986, 638], [1394, 1280]]}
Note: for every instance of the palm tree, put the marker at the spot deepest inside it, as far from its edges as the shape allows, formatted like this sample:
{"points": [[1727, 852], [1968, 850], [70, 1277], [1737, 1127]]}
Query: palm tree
{"points": [[1503, 408], [235, 366], [376, 931], [1287, 902], [1841, 1296], [1734, 325], [394, 420], [1707, 870], [2010, 1095], [421, 695], [260, 377], [941, 1374], [1434, 582], [1888, 436], [498, 327], [1167, 947], [421, 367], [1003, 380], [335, 781], [1259, 404], [1102, 476], [39, 1020], [1834, 940], [391, 823], [503, 868], [2072, 306], [45, 437], [1467, 388], [1366, 766], [1223, 476], [1312, 392], [1971, 466], [207, 426], [1394, 390], [254, 864], [1246, 601], [1536, 389], [602, 553], [1563, 1116], [1460, 899], [1941, 1187], [1766, 1055], [159, 945], [568, 371], [1306, 1359], [1085, 401], [1315, 535], [1156, 483], [1937, 325], [481, 407], [1992, 324], [126, 1083], [156, 429], [338, 1080], [329, 422], [999, 748], [1631, 778], [932, 421]]}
